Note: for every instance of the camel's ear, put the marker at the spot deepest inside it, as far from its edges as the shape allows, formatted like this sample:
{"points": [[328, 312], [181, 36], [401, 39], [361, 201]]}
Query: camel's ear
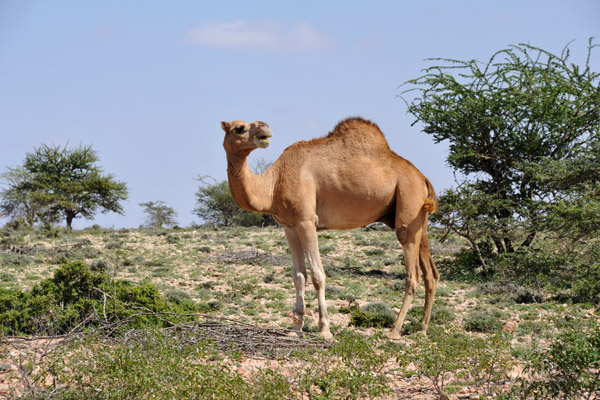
{"points": [[225, 126]]}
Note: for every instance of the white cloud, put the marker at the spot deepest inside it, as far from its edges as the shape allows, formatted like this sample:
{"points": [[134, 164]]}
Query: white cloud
{"points": [[259, 35]]}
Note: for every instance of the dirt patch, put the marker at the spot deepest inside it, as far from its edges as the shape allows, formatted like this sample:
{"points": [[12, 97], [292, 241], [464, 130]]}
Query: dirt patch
{"points": [[253, 257]]}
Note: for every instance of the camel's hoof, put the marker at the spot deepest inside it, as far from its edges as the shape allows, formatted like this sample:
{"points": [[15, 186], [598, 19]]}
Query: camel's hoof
{"points": [[294, 333], [326, 334], [394, 335]]}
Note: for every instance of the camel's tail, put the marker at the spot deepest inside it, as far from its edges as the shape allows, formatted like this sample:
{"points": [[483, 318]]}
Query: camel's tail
{"points": [[430, 203]]}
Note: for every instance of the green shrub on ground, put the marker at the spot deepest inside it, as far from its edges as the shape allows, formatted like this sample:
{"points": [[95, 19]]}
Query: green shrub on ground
{"points": [[586, 287], [162, 364], [442, 359], [154, 365], [483, 321], [349, 369], [569, 368], [75, 296], [440, 316], [450, 359], [372, 315]]}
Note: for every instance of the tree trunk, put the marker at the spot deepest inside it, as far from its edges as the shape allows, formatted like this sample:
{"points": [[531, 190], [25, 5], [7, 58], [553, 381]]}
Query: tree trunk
{"points": [[508, 245], [528, 239], [499, 245], [481, 258], [70, 216]]}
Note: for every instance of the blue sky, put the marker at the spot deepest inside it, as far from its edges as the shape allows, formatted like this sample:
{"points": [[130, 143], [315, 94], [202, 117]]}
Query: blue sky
{"points": [[146, 83]]}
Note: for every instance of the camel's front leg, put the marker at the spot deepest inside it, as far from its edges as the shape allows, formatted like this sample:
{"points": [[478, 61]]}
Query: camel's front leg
{"points": [[299, 276], [307, 232]]}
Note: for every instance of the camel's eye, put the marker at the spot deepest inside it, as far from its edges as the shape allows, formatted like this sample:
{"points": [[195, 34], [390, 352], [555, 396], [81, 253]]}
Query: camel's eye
{"points": [[239, 130]]}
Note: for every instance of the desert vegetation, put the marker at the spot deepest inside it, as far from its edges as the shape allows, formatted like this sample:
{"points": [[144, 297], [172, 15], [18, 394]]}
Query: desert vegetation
{"points": [[204, 313]]}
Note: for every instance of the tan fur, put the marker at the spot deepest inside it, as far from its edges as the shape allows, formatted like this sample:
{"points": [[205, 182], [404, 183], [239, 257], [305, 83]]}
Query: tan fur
{"points": [[347, 179]]}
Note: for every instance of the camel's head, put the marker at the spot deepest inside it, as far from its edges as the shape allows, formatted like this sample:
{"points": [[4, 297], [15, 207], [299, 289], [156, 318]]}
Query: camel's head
{"points": [[246, 136]]}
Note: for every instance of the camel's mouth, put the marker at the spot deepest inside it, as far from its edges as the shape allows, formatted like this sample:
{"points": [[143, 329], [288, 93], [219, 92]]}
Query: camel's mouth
{"points": [[263, 142]]}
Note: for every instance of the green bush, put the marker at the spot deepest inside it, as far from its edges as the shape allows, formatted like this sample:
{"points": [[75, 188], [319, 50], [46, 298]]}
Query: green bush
{"points": [[152, 366], [204, 249], [532, 267], [162, 364], [349, 369], [76, 295], [14, 260], [440, 315], [490, 361], [443, 358], [372, 315], [511, 292], [178, 297], [483, 321], [585, 286], [99, 266], [569, 369], [449, 359]]}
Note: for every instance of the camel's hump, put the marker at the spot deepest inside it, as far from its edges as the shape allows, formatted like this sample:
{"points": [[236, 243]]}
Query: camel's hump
{"points": [[354, 125], [353, 131]]}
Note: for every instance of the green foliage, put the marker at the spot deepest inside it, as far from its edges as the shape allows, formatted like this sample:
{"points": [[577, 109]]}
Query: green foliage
{"points": [[489, 362], [531, 274], [450, 358], [56, 183], [510, 292], [356, 375], [572, 208], [16, 203], [77, 295], [483, 321], [585, 286], [159, 215], [440, 316], [467, 264], [575, 275], [372, 315], [443, 359], [511, 123], [569, 369], [154, 366]]}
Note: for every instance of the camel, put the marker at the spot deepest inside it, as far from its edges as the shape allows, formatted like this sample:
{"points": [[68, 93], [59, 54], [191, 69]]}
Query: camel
{"points": [[347, 179]]}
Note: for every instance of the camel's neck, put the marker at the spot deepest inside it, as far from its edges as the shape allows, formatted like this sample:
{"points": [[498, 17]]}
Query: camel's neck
{"points": [[252, 192]]}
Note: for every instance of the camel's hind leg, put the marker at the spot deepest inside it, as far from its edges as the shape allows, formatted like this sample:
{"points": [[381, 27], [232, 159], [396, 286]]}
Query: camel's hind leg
{"points": [[410, 238], [299, 277], [430, 275]]}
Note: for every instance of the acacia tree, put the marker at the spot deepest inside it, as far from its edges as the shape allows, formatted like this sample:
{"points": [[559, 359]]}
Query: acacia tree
{"points": [[523, 108], [159, 214], [66, 183]]}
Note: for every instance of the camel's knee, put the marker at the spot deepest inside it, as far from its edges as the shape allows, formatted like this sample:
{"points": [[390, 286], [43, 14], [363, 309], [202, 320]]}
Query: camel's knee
{"points": [[411, 286], [318, 279], [299, 280], [402, 233]]}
